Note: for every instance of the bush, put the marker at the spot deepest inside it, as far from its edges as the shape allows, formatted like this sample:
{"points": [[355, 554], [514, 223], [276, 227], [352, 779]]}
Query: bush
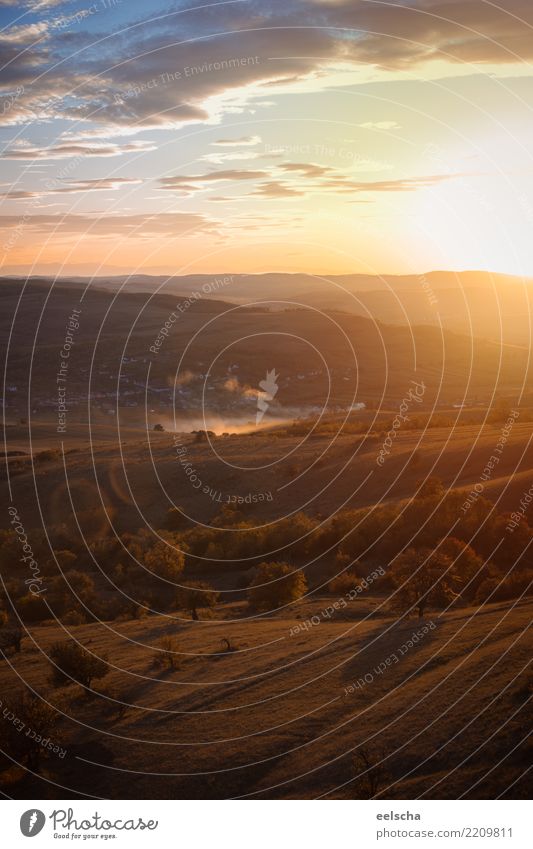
{"points": [[193, 596], [498, 588], [73, 617], [73, 663], [72, 590], [26, 727], [168, 654], [32, 608], [342, 584], [275, 585], [47, 456], [176, 520], [165, 561], [10, 638]]}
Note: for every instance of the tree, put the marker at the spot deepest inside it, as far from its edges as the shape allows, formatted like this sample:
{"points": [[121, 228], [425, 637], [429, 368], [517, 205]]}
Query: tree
{"points": [[10, 638], [32, 608], [192, 596], [165, 561], [25, 730], [424, 578], [176, 520], [371, 772], [71, 662], [67, 589], [430, 488], [204, 435], [466, 563], [275, 585]]}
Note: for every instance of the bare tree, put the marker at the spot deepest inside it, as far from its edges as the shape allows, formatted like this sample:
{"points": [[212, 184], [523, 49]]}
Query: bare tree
{"points": [[371, 774]]}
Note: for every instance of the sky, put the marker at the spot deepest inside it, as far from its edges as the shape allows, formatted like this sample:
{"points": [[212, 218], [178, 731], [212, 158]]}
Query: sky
{"points": [[318, 136]]}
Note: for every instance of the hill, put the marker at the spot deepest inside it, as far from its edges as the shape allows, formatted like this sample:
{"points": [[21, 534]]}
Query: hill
{"points": [[281, 716]]}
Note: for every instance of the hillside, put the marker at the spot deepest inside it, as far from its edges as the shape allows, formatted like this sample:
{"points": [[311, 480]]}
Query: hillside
{"points": [[276, 718], [491, 306]]}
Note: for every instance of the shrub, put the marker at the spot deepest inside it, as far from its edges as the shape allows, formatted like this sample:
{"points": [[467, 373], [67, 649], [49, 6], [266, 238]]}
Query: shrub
{"points": [[203, 435], [10, 638], [176, 520], [71, 590], [193, 596], [165, 561], [275, 585], [168, 654], [343, 583], [47, 456], [497, 588], [73, 663], [32, 608], [27, 723], [74, 617]]}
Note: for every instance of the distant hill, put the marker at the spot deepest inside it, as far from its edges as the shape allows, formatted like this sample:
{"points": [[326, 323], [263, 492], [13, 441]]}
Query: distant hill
{"points": [[490, 306], [178, 352]]}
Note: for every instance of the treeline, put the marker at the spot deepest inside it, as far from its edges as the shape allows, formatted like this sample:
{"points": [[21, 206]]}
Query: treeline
{"points": [[120, 576]]}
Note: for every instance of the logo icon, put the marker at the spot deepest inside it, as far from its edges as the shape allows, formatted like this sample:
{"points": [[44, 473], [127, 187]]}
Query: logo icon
{"points": [[268, 387], [32, 822]]}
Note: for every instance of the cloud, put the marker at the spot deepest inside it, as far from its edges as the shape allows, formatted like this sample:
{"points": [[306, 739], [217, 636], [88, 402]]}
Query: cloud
{"points": [[24, 34], [380, 125], [134, 226], [344, 184], [307, 177], [66, 151], [19, 194], [276, 189], [308, 169], [237, 155], [229, 53], [104, 184], [243, 140], [189, 184], [34, 5]]}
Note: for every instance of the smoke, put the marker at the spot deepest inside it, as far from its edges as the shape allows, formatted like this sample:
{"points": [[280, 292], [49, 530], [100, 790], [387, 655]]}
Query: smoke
{"points": [[218, 423], [185, 378], [233, 385]]}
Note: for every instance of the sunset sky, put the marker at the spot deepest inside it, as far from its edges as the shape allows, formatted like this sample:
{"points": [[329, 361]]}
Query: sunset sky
{"points": [[294, 135]]}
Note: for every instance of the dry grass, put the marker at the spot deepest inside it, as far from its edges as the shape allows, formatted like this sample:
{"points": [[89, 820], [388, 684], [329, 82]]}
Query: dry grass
{"points": [[276, 717]]}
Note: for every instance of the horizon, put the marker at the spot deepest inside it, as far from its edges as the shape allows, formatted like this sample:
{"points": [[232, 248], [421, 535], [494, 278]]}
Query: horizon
{"points": [[117, 272]]}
